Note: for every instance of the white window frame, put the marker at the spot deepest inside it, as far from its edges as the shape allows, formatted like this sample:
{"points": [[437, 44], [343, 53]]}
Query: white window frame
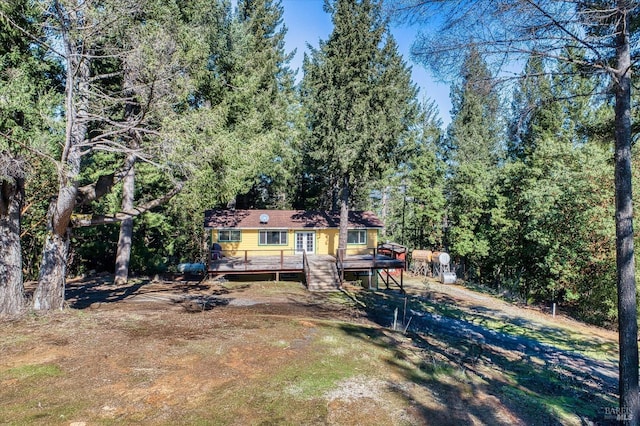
{"points": [[264, 241], [361, 239], [230, 232]]}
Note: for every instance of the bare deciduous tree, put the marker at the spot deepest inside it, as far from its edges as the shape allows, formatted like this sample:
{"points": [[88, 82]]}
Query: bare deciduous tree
{"points": [[99, 48]]}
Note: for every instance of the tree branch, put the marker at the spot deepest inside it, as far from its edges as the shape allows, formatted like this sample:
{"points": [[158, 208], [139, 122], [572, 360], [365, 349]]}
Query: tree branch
{"points": [[80, 220]]}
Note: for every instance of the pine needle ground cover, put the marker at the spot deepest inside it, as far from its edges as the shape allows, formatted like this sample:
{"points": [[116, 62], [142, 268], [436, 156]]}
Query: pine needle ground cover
{"points": [[242, 353]]}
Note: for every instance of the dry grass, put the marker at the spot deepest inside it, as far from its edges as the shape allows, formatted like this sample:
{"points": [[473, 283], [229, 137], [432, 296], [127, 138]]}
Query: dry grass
{"points": [[260, 353]]}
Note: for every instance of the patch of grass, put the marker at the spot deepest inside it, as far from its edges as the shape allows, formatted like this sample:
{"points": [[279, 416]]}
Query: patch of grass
{"points": [[28, 398], [39, 412], [32, 372], [283, 344], [13, 340], [537, 389], [309, 380], [562, 407], [294, 393], [447, 363]]}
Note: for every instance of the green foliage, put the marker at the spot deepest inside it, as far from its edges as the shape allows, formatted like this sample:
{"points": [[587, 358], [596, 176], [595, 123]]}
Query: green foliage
{"points": [[29, 126], [564, 211], [538, 219], [359, 103], [413, 202], [214, 93], [527, 205], [556, 241], [472, 152], [535, 112], [237, 132]]}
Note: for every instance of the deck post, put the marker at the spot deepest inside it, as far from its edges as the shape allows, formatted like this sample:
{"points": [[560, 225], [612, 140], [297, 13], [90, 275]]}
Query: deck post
{"points": [[245, 259], [277, 276]]}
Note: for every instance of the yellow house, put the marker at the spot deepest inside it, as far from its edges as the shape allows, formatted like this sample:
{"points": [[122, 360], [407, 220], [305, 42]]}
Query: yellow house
{"points": [[289, 232], [301, 242]]}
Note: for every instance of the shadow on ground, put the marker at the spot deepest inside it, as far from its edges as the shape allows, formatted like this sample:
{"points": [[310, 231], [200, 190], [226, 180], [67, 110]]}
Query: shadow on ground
{"points": [[466, 358], [194, 295]]}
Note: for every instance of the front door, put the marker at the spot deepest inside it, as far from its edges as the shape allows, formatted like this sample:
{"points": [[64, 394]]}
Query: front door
{"points": [[305, 241]]}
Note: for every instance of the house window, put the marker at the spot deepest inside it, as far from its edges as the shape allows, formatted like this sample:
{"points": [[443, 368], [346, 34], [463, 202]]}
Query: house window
{"points": [[273, 238], [228, 235], [357, 236]]}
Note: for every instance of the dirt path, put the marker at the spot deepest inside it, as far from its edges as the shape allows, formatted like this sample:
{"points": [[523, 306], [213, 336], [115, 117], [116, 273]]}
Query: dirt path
{"points": [[483, 335], [598, 374]]}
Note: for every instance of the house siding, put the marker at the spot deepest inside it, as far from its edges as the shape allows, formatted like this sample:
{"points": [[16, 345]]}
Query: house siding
{"points": [[250, 241], [326, 243]]}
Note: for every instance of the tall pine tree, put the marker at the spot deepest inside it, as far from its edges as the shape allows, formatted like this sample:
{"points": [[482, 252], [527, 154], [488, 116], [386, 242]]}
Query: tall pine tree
{"points": [[359, 103], [472, 153], [272, 104]]}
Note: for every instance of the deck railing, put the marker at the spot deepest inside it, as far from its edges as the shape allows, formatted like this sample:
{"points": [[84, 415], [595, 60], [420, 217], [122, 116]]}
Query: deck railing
{"points": [[242, 258], [376, 257]]}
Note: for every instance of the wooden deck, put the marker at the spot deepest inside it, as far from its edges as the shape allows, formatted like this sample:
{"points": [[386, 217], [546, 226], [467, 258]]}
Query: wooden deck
{"points": [[257, 264], [286, 263], [368, 261], [246, 262]]}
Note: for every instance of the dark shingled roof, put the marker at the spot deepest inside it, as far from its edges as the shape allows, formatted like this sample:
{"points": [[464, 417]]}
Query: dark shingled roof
{"points": [[287, 219]]}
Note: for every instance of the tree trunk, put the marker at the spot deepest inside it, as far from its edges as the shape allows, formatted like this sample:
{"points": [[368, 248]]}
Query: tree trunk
{"points": [[626, 282], [344, 215], [123, 254], [53, 268], [12, 300], [51, 281], [49, 294]]}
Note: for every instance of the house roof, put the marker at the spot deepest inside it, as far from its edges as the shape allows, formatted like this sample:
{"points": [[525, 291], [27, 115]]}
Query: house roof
{"points": [[287, 219]]}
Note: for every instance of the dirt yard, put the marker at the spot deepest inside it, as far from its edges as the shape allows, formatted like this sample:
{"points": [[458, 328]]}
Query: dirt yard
{"points": [[239, 353]]}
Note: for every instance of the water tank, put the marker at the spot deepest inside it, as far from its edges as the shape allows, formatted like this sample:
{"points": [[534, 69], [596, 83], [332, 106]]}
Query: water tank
{"points": [[441, 257], [421, 255], [191, 267], [448, 278]]}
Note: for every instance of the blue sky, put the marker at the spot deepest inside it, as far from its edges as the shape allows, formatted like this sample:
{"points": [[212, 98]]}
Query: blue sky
{"points": [[307, 23]]}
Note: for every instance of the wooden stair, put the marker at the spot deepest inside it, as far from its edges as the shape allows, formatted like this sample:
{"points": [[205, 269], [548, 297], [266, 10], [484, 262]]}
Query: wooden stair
{"points": [[323, 274]]}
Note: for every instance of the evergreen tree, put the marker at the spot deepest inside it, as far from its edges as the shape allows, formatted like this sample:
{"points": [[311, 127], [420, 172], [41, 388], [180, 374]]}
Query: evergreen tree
{"points": [[413, 201], [239, 119], [561, 218], [473, 153], [272, 103], [535, 111], [359, 104], [508, 30], [95, 63]]}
